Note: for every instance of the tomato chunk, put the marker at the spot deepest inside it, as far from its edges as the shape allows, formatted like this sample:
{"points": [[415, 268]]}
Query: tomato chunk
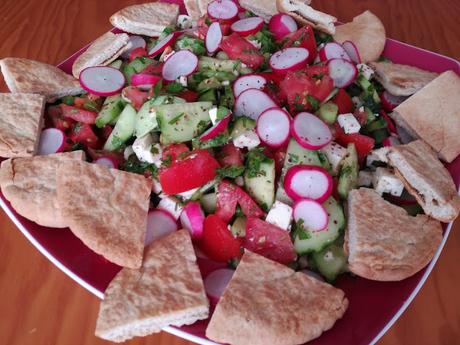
{"points": [[54, 118], [137, 52], [343, 102], [363, 143], [236, 47], [173, 151], [230, 155], [83, 133], [304, 38], [189, 95], [136, 97], [268, 240], [77, 114]]}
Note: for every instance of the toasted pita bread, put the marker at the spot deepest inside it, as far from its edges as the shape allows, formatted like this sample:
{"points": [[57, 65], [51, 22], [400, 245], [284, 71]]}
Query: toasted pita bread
{"points": [[29, 76], [166, 290], [101, 52], [21, 120], [106, 209], [29, 184], [203, 6], [193, 9], [306, 15], [385, 243], [263, 8], [433, 115], [148, 19], [401, 80], [268, 303], [367, 32]]}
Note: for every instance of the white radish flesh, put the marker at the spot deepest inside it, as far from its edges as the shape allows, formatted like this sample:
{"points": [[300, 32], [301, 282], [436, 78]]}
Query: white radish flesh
{"points": [[213, 37], [281, 25], [102, 80], [216, 282], [222, 10], [217, 129], [342, 72], [288, 59], [181, 63], [136, 42], [352, 51], [248, 81], [162, 45], [333, 50], [192, 219], [159, 223], [52, 140], [107, 162], [312, 213], [247, 26], [144, 81], [310, 131], [252, 103], [308, 181], [273, 127]]}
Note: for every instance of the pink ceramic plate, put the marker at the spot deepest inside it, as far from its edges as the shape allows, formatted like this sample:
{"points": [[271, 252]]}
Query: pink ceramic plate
{"points": [[374, 306]]}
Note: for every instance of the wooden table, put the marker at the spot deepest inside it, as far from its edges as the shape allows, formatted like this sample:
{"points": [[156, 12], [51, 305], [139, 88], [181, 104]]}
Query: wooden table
{"points": [[40, 305]]}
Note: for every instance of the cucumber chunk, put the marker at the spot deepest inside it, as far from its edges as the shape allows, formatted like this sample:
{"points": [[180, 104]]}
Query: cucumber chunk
{"points": [[238, 227], [135, 66], [262, 186], [348, 176], [242, 125], [123, 130], [328, 112], [219, 65], [330, 262], [116, 64], [209, 202], [111, 109]]}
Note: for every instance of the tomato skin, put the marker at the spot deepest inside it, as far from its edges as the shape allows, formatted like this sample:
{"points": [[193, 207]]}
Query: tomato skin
{"points": [[279, 158], [155, 68], [363, 143], [54, 118], [189, 95], [137, 97], [192, 171], [269, 240], [343, 102], [217, 241], [106, 131], [305, 38], [229, 155], [236, 47], [83, 133], [77, 114], [390, 124], [173, 151], [137, 52]]}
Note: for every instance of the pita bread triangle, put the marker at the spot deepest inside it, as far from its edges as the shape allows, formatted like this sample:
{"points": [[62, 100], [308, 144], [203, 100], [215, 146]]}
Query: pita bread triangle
{"points": [[166, 290], [268, 303]]}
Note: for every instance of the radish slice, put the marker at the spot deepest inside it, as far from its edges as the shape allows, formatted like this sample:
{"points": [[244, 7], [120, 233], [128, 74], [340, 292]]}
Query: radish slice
{"points": [[342, 72], [390, 101], [352, 51], [308, 181], [192, 219], [273, 127], [102, 80], [136, 42], [181, 63], [52, 140], [144, 81], [252, 103], [217, 129], [288, 59], [108, 162], [248, 81], [222, 10], [159, 223], [333, 50], [213, 37], [247, 26], [281, 25], [216, 282], [163, 44], [312, 213], [310, 132]]}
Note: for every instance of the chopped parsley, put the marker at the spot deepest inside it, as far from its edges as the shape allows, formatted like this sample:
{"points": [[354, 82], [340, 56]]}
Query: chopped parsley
{"points": [[117, 142], [188, 42], [266, 40], [254, 159], [222, 112], [293, 158], [298, 230], [219, 140], [69, 100], [91, 106], [230, 171], [157, 88], [175, 119], [322, 37], [174, 87], [134, 165], [166, 162], [313, 102]]}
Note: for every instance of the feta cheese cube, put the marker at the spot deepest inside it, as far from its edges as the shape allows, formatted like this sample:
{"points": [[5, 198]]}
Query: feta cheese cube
{"points": [[171, 204], [248, 139], [365, 178], [384, 181], [213, 115], [128, 152], [182, 80], [147, 152], [366, 70], [334, 154], [225, 83], [187, 194], [184, 22], [349, 123], [371, 158], [280, 215]]}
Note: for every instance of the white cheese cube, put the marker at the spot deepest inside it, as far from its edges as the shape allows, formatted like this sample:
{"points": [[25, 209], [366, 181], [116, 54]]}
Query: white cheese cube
{"points": [[147, 152], [384, 181], [182, 80], [255, 43], [225, 83], [349, 123], [171, 204], [280, 215], [248, 139], [366, 70], [184, 22], [213, 115], [128, 152], [365, 178], [371, 158], [334, 154], [187, 194]]}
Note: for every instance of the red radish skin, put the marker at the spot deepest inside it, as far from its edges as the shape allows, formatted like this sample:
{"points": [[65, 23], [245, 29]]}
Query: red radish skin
{"points": [[252, 103], [352, 51], [288, 59], [102, 80], [247, 26], [310, 131], [108, 162], [163, 44], [144, 81], [52, 140], [273, 127], [181, 63], [333, 50], [312, 213], [390, 101], [281, 25], [192, 219], [308, 181], [159, 223], [216, 282], [217, 129], [213, 38], [136, 42], [222, 10], [248, 81], [342, 72]]}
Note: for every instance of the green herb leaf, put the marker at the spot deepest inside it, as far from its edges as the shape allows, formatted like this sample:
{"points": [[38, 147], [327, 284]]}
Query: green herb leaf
{"points": [[313, 102], [254, 159], [222, 112], [293, 158], [175, 118], [230, 171], [134, 165], [166, 163], [157, 88], [69, 100], [174, 87]]}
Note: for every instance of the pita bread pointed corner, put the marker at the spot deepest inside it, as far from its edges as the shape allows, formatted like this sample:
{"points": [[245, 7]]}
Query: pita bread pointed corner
{"points": [[305, 14], [385, 243], [106, 209], [29, 184], [101, 52], [148, 19], [166, 290], [30, 76], [263, 8], [433, 115], [367, 32], [21, 120], [281, 306]]}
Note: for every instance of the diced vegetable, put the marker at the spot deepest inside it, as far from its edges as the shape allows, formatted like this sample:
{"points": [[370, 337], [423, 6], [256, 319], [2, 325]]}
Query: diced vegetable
{"points": [[102, 80], [260, 184], [52, 140], [192, 219], [123, 130], [308, 181], [159, 224], [216, 282], [348, 177], [111, 109], [330, 262]]}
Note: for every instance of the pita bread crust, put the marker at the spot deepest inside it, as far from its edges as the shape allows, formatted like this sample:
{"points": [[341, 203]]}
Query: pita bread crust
{"points": [[29, 76], [168, 283], [263, 8], [433, 115], [192, 9], [148, 19], [384, 243], [268, 303], [401, 80], [367, 32], [29, 184], [106, 209], [102, 51], [21, 120]]}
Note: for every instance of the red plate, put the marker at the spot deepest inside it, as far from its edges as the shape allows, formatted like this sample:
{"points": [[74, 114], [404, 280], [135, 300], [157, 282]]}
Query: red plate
{"points": [[374, 306]]}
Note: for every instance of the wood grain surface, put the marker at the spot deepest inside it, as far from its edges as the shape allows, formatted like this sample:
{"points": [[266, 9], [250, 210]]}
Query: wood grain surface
{"points": [[40, 305]]}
